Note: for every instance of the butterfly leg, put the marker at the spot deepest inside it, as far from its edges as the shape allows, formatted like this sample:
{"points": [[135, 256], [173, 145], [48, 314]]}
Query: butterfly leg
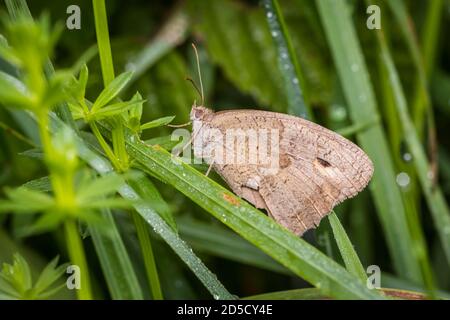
{"points": [[209, 168]]}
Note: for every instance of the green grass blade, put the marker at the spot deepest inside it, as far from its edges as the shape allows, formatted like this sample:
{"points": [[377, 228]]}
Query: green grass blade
{"points": [[116, 264], [219, 242], [433, 194], [147, 253], [352, 71], [296, 294], [104, 45], [287, 60], [291, 251], [348, 253]]}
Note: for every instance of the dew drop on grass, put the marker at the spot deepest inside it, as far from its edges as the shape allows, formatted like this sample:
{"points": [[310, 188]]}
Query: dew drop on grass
{"points": [[274, 34], [407, 157], [338, 112], [269, 15], [403, 179], [295, 81]]}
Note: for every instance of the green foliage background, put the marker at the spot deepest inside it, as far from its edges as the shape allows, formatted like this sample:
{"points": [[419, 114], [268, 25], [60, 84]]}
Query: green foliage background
{"points": [[388, 90]]}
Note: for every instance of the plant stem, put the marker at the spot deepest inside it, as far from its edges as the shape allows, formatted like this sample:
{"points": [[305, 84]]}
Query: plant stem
{"points": [[147, 253], [104, 45], [64, 194], [106, 61], [120, 157], [112, 157], [77, 257]]}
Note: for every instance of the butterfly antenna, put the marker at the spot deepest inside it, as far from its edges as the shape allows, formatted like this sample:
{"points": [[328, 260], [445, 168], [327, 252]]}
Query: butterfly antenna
{"points": [[196, 87], [199, 74]]}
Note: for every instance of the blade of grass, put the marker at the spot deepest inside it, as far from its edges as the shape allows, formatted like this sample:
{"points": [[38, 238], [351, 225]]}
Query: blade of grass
{"points": [[435, 199], [296, 294], [287, 60], [116, 264], [358, 91], [223, 243], [421, 100], [348, 253], [293, 79], [149, 260]]}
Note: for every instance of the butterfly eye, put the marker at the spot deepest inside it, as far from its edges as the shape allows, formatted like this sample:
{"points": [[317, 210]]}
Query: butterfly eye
{"points": [[198, 113]]}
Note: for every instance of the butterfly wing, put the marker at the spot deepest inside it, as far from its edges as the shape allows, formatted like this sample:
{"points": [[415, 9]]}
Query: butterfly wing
{"points": [[317, 168]]}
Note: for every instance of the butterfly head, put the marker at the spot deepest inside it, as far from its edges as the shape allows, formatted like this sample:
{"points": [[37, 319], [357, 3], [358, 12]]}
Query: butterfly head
{"points": [[198, 113]]}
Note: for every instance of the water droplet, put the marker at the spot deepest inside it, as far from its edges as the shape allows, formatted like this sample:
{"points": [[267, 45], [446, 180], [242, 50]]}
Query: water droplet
{"points": [[274, 34], [354, 67], [403, 179], [216, 297], [284, 55], [407, 157], [286, 66], [269, 15], [295, 81], [338, 112]]}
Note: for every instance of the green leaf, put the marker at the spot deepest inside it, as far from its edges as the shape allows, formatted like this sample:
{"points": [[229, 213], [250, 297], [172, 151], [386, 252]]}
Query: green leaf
{"points": [[98, 187], [112, 110], [135, 114], [18, 275], [48, 277], [23, 200], [157, 123], [112, 90], [82, 82], [13, 92]]}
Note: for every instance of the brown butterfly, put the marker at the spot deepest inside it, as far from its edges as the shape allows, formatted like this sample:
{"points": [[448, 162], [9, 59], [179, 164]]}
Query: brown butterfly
{"points": [[315, 168], [295, 169]]}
